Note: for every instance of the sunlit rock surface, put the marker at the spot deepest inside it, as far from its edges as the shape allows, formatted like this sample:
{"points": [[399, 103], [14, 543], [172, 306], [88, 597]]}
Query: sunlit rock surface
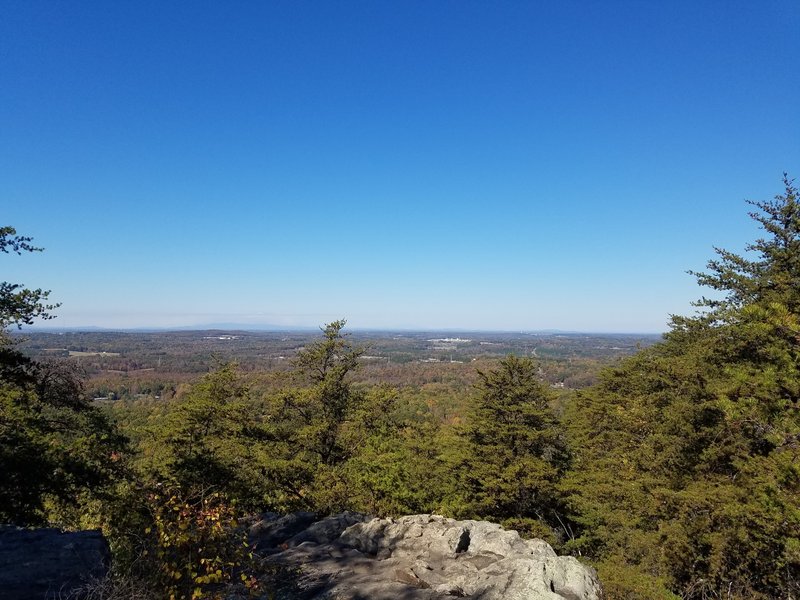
{"points": [[352, 556]]}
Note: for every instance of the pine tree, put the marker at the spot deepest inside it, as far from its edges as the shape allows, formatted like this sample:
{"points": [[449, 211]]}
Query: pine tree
{"points": [[687, 466], [513, 449], [774, 274], [330, 400], [20, 305], [310, 425]]}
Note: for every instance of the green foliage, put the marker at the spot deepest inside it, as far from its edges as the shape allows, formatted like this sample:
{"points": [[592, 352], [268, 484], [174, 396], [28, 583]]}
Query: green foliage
{"points": [[622, 581], [57, 451], [686, 454], [195, 545], [20, 305], [774, 274], [328, 402], [398, 468], [204, 434], [178, 543], [328, 445], [513, 450], [313, 424]]}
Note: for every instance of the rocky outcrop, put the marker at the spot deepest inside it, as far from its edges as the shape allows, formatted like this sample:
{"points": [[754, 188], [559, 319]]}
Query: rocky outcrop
{"points": [[352, 557], [48, 563]]}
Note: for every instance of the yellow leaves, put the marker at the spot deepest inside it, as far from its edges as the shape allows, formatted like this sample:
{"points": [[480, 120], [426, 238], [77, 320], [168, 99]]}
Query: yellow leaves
{"points": [[251, 583], [197, 546]]}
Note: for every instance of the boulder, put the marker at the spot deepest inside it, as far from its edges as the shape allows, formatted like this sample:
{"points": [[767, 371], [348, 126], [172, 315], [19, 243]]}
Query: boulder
{"points": [[48, 563], [327, 530], [425, 557], [272, 529]]}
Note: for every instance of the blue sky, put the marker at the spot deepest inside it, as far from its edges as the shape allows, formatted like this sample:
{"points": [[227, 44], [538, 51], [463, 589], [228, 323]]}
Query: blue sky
{"points": [[473, 165]]}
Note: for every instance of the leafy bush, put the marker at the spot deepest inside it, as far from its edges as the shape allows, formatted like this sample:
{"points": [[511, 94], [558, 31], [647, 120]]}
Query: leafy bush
{"points": [[195, 545]]}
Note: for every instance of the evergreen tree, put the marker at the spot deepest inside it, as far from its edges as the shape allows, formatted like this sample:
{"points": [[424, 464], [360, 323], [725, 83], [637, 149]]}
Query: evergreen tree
{"points": [[687, 467], [329, 400], [514, 450], [211, 439], [773, 275], [20, 305], [311, 425]]}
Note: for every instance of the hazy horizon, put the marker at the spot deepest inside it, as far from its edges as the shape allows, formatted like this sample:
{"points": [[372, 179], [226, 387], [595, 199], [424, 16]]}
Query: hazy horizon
{"points": [[130, 320], [53, 327]]}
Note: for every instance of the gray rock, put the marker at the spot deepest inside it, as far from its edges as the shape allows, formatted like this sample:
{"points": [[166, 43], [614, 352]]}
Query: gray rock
{"points": [[569, 578], [272, 530], [423, 557], [48, 563], [328, 529], [413, 536]]}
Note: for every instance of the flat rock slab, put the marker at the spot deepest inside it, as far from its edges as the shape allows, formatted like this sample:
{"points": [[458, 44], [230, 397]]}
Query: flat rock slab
{"points": [[48, 563]]}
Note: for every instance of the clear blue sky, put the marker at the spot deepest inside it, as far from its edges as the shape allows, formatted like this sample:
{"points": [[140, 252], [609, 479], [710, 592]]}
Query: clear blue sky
{"points": [[476, 165]]}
